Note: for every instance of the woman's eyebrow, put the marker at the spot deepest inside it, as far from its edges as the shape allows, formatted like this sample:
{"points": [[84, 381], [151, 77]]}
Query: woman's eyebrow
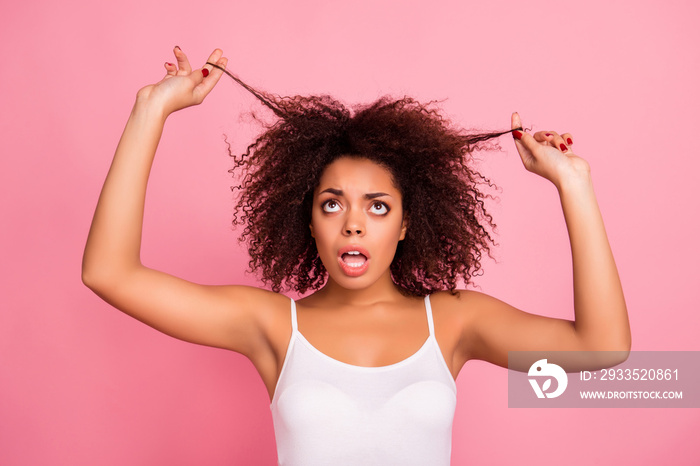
{"points": [[375, 195], [339, 192]]}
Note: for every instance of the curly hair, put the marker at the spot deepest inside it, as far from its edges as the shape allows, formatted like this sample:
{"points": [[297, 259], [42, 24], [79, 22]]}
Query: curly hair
{"points": [[431, 165]]}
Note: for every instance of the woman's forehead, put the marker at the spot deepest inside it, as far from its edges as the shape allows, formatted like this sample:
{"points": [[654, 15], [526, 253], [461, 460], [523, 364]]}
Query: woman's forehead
{"points": [[357, 174]]}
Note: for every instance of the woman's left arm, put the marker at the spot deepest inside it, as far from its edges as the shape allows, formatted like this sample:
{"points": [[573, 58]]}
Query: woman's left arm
{"points": [[601, 322]]}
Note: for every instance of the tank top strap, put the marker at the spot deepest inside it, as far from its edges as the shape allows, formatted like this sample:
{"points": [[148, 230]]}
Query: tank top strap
{"points": [[429, 312], [294, 316]]}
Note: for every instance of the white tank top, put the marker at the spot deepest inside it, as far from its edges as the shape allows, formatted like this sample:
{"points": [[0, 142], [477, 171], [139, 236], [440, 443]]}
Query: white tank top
{"points": [[327, 412]]}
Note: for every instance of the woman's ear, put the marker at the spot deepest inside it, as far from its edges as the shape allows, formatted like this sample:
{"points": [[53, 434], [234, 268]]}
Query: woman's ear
{"points": [[404, 227]]}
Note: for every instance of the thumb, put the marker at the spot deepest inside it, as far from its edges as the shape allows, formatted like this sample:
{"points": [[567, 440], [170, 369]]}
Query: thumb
{"points": [[515, 121], [516, 124], [520, 136], [524, 142]]}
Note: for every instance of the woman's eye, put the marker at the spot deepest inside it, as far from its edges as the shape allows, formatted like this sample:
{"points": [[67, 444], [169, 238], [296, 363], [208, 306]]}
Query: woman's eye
{"points": [[330, 206], [380, 208]]}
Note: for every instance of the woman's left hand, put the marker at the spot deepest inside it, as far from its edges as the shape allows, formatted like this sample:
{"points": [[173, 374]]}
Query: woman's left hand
{"points": [[548, 154]]}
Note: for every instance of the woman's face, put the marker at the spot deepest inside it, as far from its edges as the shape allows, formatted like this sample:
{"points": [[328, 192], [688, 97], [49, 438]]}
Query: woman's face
{"points": [[357, 221]]}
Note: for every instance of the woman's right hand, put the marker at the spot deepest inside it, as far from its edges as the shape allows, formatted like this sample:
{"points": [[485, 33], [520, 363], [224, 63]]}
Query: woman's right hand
{"points": [[183, 87]]}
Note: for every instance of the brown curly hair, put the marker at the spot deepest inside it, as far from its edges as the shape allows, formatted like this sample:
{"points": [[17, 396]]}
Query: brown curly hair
{"points": [[430, 161]]}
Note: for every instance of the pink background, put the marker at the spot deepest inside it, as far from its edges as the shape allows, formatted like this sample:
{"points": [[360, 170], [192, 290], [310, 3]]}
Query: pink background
{"points": [[82, 384]]}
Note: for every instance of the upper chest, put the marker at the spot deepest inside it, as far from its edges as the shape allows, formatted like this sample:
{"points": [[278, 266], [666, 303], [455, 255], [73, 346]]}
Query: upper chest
{"points": [[379, 336]]}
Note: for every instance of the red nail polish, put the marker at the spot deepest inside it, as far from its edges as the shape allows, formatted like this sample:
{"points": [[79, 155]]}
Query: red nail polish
{"points": [[568, 140], [517, 135], [205, 72], [168, 63], [547, 134], [562, 147], [178, 47]]}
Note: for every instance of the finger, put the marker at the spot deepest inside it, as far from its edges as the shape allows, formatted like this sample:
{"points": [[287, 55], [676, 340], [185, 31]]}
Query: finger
{"points": [[170, 68], [218, 73], [546, 137], [559, 142], [568, 138], [543, 136], [209, 75], [214, 58], [552, 138], [183, 63], [516, 125], [213, 76], [524, 142], [515, 121]]}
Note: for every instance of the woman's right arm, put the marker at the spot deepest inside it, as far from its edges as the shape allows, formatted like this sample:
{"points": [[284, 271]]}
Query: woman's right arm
{"points": [[231, 317]]}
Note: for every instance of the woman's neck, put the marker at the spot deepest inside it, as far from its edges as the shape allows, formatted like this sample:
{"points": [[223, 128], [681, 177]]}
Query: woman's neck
{"points": [[383, 290]]}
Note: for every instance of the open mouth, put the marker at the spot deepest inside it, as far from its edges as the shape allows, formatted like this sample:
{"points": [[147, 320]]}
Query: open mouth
{"points": [[353, 260]]}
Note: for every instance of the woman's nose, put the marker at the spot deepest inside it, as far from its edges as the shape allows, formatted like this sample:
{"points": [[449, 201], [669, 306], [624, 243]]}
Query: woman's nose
{"points": [[354, 225], [351, 230]]}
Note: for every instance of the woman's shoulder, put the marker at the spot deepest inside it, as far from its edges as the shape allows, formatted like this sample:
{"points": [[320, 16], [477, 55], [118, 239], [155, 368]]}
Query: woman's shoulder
{"points": [[461, 309], [459, 301], [265, 310], [271, 308]]}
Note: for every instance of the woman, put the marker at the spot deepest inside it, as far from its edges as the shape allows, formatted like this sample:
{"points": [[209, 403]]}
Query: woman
{"points": [[379, 214]]}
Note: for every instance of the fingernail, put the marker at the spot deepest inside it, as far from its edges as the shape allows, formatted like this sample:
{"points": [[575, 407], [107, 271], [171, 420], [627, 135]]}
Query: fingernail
{"points": [[168, 63], [205, 72], [517, 135], [569, 141], [178, 47], [562, 147], [547, 134]]}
